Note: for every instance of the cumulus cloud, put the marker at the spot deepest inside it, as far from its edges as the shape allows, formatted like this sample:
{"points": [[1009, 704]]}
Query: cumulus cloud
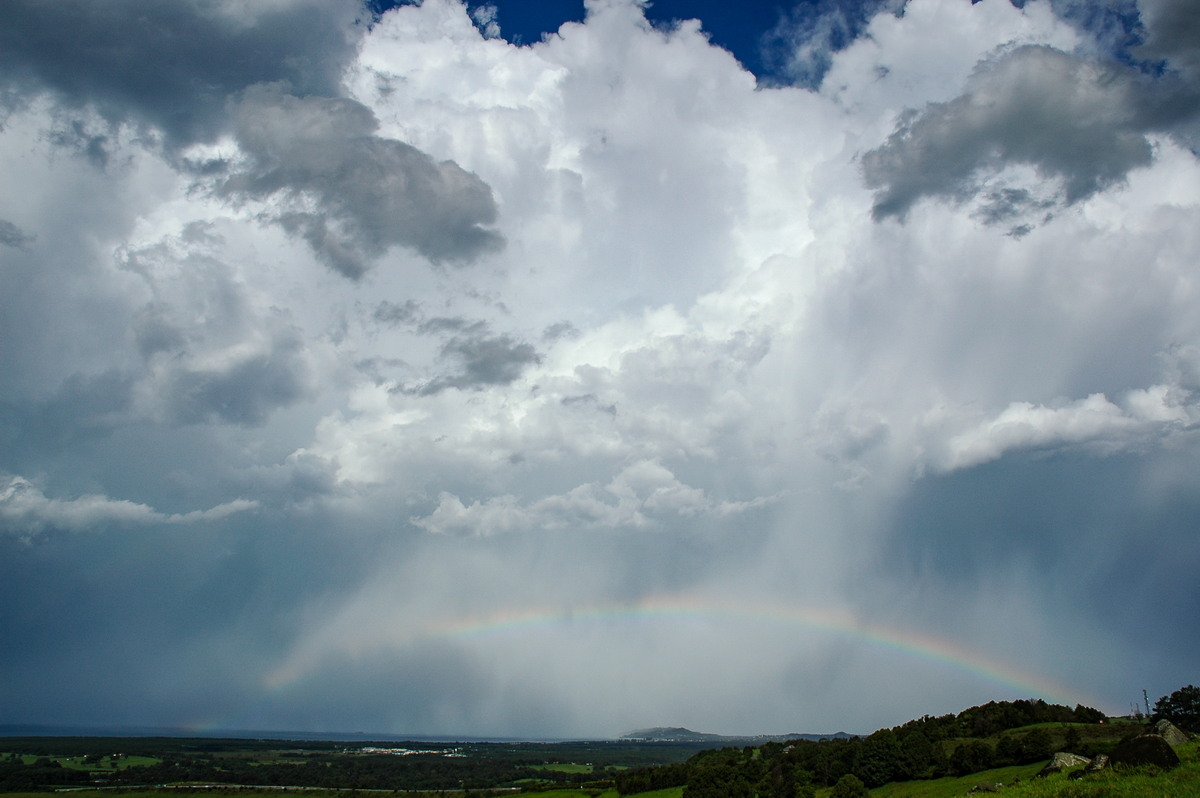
{"points": [[370, 193], [93, 56], [485, 360], [1172, 33], [1093, 421], [26, 510], [640, 496], [1073, 120], [696, 400], [802, 45], [208, 353]]}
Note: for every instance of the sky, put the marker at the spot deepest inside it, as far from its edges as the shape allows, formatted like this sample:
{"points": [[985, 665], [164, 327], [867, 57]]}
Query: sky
{"points": [[404, 370]]}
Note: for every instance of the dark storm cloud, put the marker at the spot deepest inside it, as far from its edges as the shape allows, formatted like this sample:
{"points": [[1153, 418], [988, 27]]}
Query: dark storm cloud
{"points": [[1006, 204], [392, 314], [371, 193], [244, 392], [1172, 34], [1076, 120], [82, 407], [179, 68], [154, 597], [13, 236], [485, 359], [172, 65]]}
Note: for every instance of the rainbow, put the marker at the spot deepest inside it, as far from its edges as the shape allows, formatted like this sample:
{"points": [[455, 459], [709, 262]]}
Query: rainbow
{"points": [[834, 622]]}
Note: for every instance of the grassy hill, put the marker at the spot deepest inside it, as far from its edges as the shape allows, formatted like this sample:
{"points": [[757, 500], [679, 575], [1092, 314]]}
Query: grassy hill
{"points": [[996, 743], [1020, 782]]}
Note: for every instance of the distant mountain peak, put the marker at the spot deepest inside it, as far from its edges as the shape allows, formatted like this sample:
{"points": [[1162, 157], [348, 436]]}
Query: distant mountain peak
{"points": [[678, 734], [669, 733]]}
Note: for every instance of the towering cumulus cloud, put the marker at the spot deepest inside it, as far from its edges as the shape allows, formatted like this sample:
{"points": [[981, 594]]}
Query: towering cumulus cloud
{"points": [[366, 370]]}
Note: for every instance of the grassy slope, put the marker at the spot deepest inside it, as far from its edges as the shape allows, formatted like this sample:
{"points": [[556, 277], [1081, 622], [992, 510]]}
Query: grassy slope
{"points": [[1123, 783], [1128, 783], [946, 787]]}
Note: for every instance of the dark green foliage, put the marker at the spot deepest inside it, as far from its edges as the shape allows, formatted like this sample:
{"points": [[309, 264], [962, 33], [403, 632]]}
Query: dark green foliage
{"points": [[923, 748], [916, 756], [849, 786], [728, 772], [320, 764], [783, 779], [1182, 708], [971, 757], [879, 758], [637, 780], [39, 775], [1021, 749]]}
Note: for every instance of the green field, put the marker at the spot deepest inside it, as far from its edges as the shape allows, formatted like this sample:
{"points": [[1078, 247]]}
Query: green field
{"points": [[105, 764], [567, 767]]}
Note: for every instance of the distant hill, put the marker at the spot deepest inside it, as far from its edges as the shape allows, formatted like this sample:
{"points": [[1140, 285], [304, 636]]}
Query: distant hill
{"points": [[678, 734]]}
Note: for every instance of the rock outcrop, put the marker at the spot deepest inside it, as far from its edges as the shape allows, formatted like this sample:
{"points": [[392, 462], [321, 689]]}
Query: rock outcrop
{"points": [[1099, 762], [1146, 749], [1063, 761], [1170, 732]]}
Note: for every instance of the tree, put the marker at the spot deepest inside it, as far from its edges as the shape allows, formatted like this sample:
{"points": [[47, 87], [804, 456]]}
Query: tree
{"points": [[849, 786], [971, 757], [916, 755], [1182, 708], [879, 758]]}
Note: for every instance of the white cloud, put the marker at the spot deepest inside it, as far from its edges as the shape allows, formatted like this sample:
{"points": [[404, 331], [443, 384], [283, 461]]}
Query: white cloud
{"points": [[644, 495], [697, 369], [26, 510], [1146, 414]]}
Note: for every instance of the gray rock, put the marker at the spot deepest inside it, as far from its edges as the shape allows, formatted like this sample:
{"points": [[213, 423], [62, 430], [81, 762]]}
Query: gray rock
{"points": [[1146, 749], [1099, 762], [987, 786], [1170, 732], [1062, 761]]}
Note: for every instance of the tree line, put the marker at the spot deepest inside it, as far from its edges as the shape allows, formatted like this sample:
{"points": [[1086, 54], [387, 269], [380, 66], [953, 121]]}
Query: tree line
{"points": [[918, 749]]}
